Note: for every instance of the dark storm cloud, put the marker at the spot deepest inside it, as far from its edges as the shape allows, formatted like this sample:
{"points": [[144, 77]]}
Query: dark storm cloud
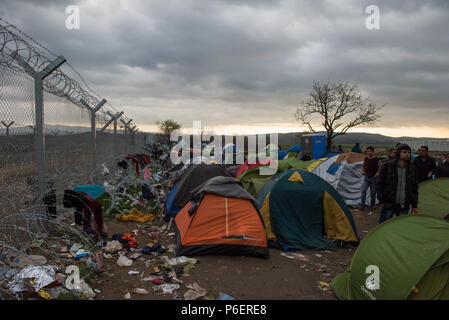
{"points": [[253, 59]]}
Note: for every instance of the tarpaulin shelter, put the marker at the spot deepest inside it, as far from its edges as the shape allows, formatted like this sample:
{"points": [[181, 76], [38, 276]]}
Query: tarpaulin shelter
{"points": [[344, 173]]}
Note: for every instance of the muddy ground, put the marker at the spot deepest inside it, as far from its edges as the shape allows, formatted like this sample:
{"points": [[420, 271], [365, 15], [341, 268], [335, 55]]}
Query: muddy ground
{"points": [[244, 278]]}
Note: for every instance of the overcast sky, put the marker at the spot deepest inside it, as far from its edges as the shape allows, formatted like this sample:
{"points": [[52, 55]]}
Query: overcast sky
{"points": [[241, 66]]}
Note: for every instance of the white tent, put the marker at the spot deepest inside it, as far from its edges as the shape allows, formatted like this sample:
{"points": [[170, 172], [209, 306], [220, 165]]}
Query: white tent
{"points": [[344, 173]]}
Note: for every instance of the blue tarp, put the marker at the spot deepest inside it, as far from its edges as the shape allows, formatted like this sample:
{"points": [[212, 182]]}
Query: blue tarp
{"points": [[170, 209], [94, 190], [333, 168]]}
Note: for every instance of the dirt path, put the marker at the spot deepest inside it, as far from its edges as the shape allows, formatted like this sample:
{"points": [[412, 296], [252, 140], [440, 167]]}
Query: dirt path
{"points": [[244, 278]]}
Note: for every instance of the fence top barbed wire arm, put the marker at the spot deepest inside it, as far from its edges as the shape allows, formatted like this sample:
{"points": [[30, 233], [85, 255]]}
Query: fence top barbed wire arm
{"points": [[14, 41]]}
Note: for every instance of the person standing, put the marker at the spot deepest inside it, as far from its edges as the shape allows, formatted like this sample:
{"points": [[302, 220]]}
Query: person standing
{"points": [[397, 185], [370, 170], [425, 165], [443, 167], [356, 148], [391, 155]]}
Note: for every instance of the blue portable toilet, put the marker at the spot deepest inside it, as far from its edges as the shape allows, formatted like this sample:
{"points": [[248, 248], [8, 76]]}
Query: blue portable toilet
{"points": [[315, 144]]}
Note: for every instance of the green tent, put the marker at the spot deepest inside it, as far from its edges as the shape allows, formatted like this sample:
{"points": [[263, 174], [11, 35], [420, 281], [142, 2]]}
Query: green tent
{"points": [[303, 211], [253, 181], [434, 197], [412, 257]]}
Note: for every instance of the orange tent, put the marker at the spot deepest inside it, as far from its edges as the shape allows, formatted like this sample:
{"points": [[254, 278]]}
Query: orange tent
{"points": [[221, 225]]}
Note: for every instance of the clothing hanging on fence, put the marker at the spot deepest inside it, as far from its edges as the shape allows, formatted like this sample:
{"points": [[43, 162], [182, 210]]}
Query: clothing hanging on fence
{"points": [[82, 201], [94, 190], [49, 200]]}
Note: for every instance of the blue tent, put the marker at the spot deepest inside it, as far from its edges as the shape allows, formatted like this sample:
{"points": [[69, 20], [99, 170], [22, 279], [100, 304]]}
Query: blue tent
{"points": [[170, 209], [283, 153], [332, 153], [295, 148]]}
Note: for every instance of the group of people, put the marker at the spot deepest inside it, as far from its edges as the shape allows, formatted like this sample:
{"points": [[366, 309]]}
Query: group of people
{"points": [[395, 180]]}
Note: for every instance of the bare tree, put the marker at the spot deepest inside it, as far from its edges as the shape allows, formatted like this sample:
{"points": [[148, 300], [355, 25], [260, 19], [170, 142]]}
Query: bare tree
{"points": [[339, 106], [166, 127]]}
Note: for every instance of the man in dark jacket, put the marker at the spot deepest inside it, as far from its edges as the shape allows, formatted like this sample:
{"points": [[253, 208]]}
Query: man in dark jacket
{"points": [[370, 171], [443, 168], [425, 165], [397, 185]]}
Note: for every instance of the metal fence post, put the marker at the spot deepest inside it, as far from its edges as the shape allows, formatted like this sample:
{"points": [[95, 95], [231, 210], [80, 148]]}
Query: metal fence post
{"points": [[93, 111], [114, 118], [7, 127], [39, 130]]}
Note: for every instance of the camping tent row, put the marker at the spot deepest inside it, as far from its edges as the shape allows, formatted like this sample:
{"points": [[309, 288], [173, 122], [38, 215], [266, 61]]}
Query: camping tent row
{"points": [[300, 210], [214, 214]]}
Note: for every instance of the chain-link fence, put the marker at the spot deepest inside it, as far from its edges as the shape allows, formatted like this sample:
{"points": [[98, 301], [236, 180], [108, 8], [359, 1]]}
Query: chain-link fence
{"points": [[55, 134]]}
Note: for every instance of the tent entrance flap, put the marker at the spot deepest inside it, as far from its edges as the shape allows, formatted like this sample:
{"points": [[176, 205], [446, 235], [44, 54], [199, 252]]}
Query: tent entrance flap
{"points": [[336, 222]]}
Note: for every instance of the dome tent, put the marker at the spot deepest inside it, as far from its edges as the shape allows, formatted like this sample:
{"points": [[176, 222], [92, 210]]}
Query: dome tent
{"points": [[434, 197], [303, 211], [221, 218], [412, 257]]}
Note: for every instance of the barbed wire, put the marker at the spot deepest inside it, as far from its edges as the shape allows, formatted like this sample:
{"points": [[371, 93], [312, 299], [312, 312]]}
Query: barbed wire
{"points": [[14, 42]]}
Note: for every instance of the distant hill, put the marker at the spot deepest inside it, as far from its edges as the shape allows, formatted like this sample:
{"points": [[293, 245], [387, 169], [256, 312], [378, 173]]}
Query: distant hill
{"points": [[353, 137]]}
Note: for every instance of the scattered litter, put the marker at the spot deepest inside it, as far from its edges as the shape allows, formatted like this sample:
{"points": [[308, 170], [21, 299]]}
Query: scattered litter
{"points": [[133, 272], [171, 247], [135, 256], [37, 244], [195, 292], [156, 248], [224, 296], [113, 246], [97, 291], [294, 255], [150, 278], [318, 255], [141, 291], [107, 255], [23, 261], [324, 286], [44, 294], [75, 248], [41, 276], [123, 261], [167, 288], [178, 260], [136, 215], [80, 254], [127, 296]]}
